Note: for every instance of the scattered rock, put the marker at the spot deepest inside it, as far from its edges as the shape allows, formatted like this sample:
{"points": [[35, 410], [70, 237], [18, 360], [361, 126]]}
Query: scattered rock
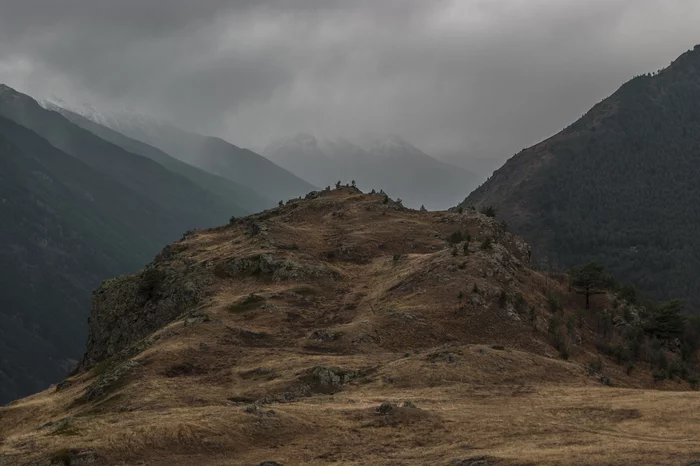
{"points": [[605, 380], [362, 337], [196, 317], [108, 381], [63, 385], [251, 409], [277, 270], [56, 424], [328, 379], [73, 458], [325, 335], [385, 408], [443, 356]]}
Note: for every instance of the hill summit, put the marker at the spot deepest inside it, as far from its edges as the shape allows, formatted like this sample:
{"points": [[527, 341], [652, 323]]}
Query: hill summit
{"points": [[346, 328], [618, 186]]}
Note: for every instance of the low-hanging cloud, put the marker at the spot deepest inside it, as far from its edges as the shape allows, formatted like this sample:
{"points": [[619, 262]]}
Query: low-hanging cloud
{"points": [[479, 78]]}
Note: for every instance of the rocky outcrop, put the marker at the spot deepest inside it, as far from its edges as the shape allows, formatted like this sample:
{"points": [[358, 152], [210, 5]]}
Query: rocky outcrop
{"points": [[277, 270], [127, 309]]}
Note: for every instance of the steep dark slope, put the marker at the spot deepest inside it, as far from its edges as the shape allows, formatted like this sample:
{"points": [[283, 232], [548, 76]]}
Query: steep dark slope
{"points": [[227, 191], [620, 185], [191, 205], [65, 227]]}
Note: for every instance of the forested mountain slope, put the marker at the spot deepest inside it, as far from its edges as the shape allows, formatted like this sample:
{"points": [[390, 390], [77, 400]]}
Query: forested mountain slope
{"points": [[65, 227], [620, 185]]}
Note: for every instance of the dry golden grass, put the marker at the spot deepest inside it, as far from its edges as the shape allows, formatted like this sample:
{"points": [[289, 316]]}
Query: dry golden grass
{"points": [[395, 317]]}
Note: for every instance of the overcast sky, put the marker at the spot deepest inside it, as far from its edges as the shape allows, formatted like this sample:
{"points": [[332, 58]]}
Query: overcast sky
{"points": [[482, 78]]}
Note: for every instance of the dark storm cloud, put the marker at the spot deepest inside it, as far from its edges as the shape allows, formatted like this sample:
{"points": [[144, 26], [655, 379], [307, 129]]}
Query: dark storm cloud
{"points": [[476, 77]]}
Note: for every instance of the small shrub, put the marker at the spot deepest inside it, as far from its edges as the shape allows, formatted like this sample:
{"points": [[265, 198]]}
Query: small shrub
{"points": [[465, 248], [385, 200], [659, 374], [232, 220], [489, 211], [675, 369], [475, 288], [554, 304], [502, 299], [460, 210], [460, 295], [487, 244], [396, 258], [570, 323], [532, 316], [595, 366], [454, 251], [456, 237]]}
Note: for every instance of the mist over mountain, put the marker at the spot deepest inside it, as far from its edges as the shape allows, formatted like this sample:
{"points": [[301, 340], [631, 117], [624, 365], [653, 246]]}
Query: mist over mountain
{"points": [[225, 190], [389, 163], [620, 185], [212, 154]]}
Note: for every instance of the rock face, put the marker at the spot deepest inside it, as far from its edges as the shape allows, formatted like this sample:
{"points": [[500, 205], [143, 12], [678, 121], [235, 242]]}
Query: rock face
{"points": [[129, 308]]}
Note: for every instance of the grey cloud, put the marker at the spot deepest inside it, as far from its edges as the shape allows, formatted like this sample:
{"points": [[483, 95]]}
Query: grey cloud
{"points": [[471, 78]]}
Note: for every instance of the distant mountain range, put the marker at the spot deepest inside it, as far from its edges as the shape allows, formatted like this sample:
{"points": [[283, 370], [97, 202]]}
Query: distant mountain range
{"points": [[620, 185], [214, 155], [388, 163], [80, 203]]}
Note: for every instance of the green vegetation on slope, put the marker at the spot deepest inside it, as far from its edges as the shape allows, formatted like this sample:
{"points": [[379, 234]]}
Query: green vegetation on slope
{"points": [[64, 228], [619, 186]]}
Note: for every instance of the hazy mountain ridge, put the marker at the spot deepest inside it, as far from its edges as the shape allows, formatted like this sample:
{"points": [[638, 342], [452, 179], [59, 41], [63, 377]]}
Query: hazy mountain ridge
{"points": [[619, 185], [238, 198], [211, 154], [194, 206], [389, 163]]}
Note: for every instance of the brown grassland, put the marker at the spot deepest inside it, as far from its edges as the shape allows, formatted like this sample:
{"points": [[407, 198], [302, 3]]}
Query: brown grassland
{"points": [[365, 303]]}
